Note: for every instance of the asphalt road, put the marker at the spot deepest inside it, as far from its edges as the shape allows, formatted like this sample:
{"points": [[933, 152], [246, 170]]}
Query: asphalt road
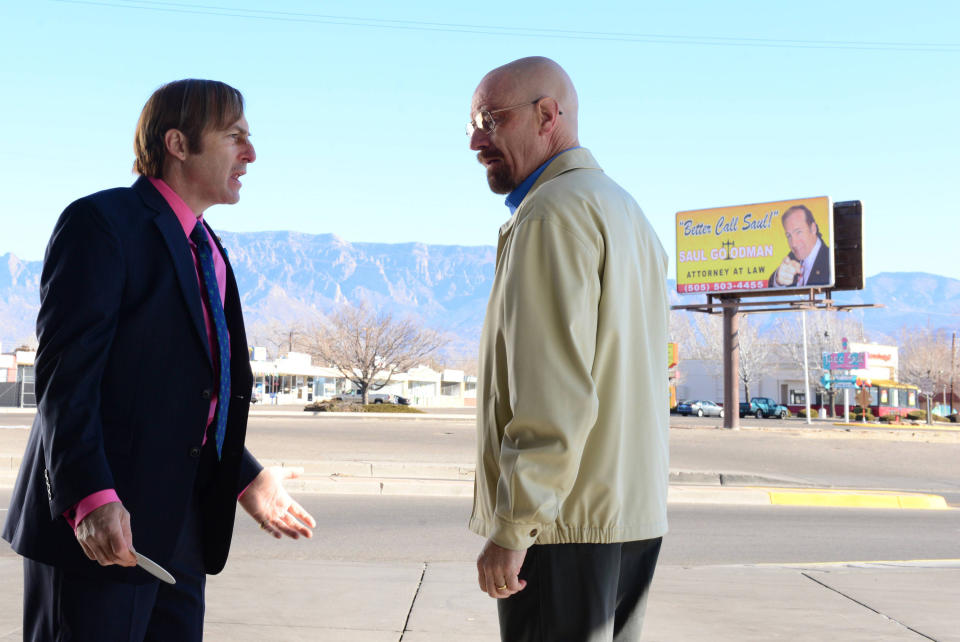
{"points": [[434, 529], [909, 461], [416, 529]]}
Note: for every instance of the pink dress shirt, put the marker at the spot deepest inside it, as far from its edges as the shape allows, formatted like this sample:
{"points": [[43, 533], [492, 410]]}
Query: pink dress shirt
{"points": [[188, 221]]}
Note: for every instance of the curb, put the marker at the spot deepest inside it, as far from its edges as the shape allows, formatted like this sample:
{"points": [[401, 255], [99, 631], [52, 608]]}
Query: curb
{"points": [[336, 484], [857, 499], [353, 477], [934, 427], [702, 478], [676, 494], [465, 472], [686, 487], [806, 497]]}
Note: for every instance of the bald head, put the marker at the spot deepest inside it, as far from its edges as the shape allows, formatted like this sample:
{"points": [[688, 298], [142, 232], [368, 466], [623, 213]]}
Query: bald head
{"points": [[535, 76], [534, 107]]}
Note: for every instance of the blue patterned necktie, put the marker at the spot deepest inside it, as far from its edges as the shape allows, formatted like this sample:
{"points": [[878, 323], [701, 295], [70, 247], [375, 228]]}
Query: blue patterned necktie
{"points": [[212, 294]]}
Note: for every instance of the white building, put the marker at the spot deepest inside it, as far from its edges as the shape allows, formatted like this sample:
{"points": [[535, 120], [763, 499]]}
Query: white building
{"points": [[293, 379], [700, 379], [17, 379], [882, 361]]}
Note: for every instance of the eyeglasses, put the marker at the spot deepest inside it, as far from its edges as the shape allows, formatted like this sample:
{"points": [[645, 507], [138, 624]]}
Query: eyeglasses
{"points": [[484, 121]]}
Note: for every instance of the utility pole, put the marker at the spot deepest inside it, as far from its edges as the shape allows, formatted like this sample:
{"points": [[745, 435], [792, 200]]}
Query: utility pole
{"points": [[953, 352]]}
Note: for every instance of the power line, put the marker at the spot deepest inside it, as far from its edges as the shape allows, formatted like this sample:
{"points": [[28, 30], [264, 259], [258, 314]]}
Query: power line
{"points": [[529, 32]]}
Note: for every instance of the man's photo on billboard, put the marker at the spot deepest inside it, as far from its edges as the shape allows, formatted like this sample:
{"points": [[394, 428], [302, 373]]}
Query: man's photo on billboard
{"points": [[808, 262]]}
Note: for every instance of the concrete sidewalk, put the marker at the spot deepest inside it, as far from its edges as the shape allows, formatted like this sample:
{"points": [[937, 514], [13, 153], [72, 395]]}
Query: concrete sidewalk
{"points": [[292, 600]]}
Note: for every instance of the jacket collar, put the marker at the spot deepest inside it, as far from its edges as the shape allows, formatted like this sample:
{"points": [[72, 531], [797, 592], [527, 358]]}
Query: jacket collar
{"points": [[576, 158]]}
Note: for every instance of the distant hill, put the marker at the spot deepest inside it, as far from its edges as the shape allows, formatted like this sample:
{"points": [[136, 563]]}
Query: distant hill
{"points": [[911, 299], [19, 299], [284, 276]]}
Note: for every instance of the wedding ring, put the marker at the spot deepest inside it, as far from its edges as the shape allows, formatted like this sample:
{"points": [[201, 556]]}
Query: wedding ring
{"points": [[501, 588]]}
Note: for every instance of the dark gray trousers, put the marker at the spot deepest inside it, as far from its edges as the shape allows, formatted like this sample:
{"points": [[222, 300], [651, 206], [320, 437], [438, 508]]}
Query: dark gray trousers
{"points": [[61, 606], [581, 593]]}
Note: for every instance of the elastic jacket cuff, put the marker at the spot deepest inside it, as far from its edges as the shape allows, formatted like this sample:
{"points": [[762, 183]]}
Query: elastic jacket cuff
{"points": [[516, 537]]}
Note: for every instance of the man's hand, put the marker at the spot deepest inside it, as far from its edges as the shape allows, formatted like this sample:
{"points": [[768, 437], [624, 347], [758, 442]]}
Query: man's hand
{"points": [[105, 536], [497, 570], [787, 271], [272, 507]]}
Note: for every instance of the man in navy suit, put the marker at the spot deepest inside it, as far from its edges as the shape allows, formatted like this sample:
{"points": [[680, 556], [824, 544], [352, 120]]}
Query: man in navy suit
{"points": [[143, 388], [808, 262]]}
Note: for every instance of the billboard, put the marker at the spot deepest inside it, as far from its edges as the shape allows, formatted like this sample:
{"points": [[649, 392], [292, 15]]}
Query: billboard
{"points": [[782, 245]]}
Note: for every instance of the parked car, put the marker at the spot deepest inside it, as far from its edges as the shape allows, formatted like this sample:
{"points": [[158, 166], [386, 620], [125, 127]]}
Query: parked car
{"points": [[700, 408], [761, 407], [372, 397], [403, 401]]}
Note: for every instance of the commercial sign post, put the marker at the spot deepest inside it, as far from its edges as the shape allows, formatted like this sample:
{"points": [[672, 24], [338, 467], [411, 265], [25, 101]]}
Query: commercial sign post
{"points": [[779, 246], [844, 360], [848, 382]]}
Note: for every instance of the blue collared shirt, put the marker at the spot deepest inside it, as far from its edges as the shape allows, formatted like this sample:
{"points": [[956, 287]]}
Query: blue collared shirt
{"points": [[516, 197]]}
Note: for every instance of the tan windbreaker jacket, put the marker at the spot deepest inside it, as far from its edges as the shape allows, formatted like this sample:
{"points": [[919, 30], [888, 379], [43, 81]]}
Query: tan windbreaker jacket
{"points": [[572, 401]]}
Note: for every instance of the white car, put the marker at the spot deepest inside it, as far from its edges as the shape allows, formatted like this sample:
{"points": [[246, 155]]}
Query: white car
{"points": [[372, 397]]}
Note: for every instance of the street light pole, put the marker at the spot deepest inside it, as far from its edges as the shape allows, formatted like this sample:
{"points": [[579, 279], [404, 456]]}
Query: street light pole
{"points": [[953, 352]]}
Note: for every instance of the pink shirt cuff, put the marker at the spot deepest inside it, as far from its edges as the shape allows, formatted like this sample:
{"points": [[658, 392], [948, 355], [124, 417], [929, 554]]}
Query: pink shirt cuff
{"points": [[245, 489], [89, 504]]}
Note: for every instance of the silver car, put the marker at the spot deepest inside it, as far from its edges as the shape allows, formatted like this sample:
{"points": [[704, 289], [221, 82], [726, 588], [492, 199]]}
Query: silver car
{"points": [[700, 408]]}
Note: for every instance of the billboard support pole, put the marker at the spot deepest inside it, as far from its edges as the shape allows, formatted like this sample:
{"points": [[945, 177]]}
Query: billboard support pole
{"points": [[806, 365], [731, 364]]}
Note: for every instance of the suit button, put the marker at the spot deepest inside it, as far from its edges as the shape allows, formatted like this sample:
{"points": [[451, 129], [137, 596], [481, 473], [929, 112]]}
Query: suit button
{"points": [[206, 394], [195, 452]]}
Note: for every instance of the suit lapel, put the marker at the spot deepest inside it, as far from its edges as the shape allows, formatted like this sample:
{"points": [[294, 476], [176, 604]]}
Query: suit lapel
{"points": [[179, 248]]}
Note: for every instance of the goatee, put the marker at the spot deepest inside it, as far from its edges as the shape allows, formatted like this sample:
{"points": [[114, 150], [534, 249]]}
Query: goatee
{"points": [[498, 175]]}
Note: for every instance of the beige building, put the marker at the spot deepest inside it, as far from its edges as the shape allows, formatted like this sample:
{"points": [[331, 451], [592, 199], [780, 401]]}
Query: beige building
{"points": [[294, 379]]}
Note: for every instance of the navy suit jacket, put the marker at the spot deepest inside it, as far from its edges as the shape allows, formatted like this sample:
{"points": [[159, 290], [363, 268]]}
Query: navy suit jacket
{"points": [[820, 275], [124, 379]]}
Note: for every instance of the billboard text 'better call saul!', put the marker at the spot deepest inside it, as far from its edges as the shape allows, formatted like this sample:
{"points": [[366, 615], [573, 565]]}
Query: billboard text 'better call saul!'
{"points": [[784, 245]]}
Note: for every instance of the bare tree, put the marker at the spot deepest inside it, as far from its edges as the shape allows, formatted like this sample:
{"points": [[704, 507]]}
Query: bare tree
{"points": [[681, 333], [925, 358], [755, 352], [463, 360], [455, 355], [369, 347], [279, 337], [825, 329], [28, 345], [702, 337], [681, 328]]}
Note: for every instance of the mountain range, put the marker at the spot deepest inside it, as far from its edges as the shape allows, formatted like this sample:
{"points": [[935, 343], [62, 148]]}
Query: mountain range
{"points": [[284, 277]]}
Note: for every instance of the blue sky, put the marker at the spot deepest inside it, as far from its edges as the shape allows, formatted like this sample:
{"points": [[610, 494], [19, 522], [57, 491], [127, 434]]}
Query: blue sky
{"points": [[358, 122]]}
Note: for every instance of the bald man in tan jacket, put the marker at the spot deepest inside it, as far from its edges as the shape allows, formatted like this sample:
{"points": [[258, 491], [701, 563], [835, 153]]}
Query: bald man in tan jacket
{"points": [[572, 464]]}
